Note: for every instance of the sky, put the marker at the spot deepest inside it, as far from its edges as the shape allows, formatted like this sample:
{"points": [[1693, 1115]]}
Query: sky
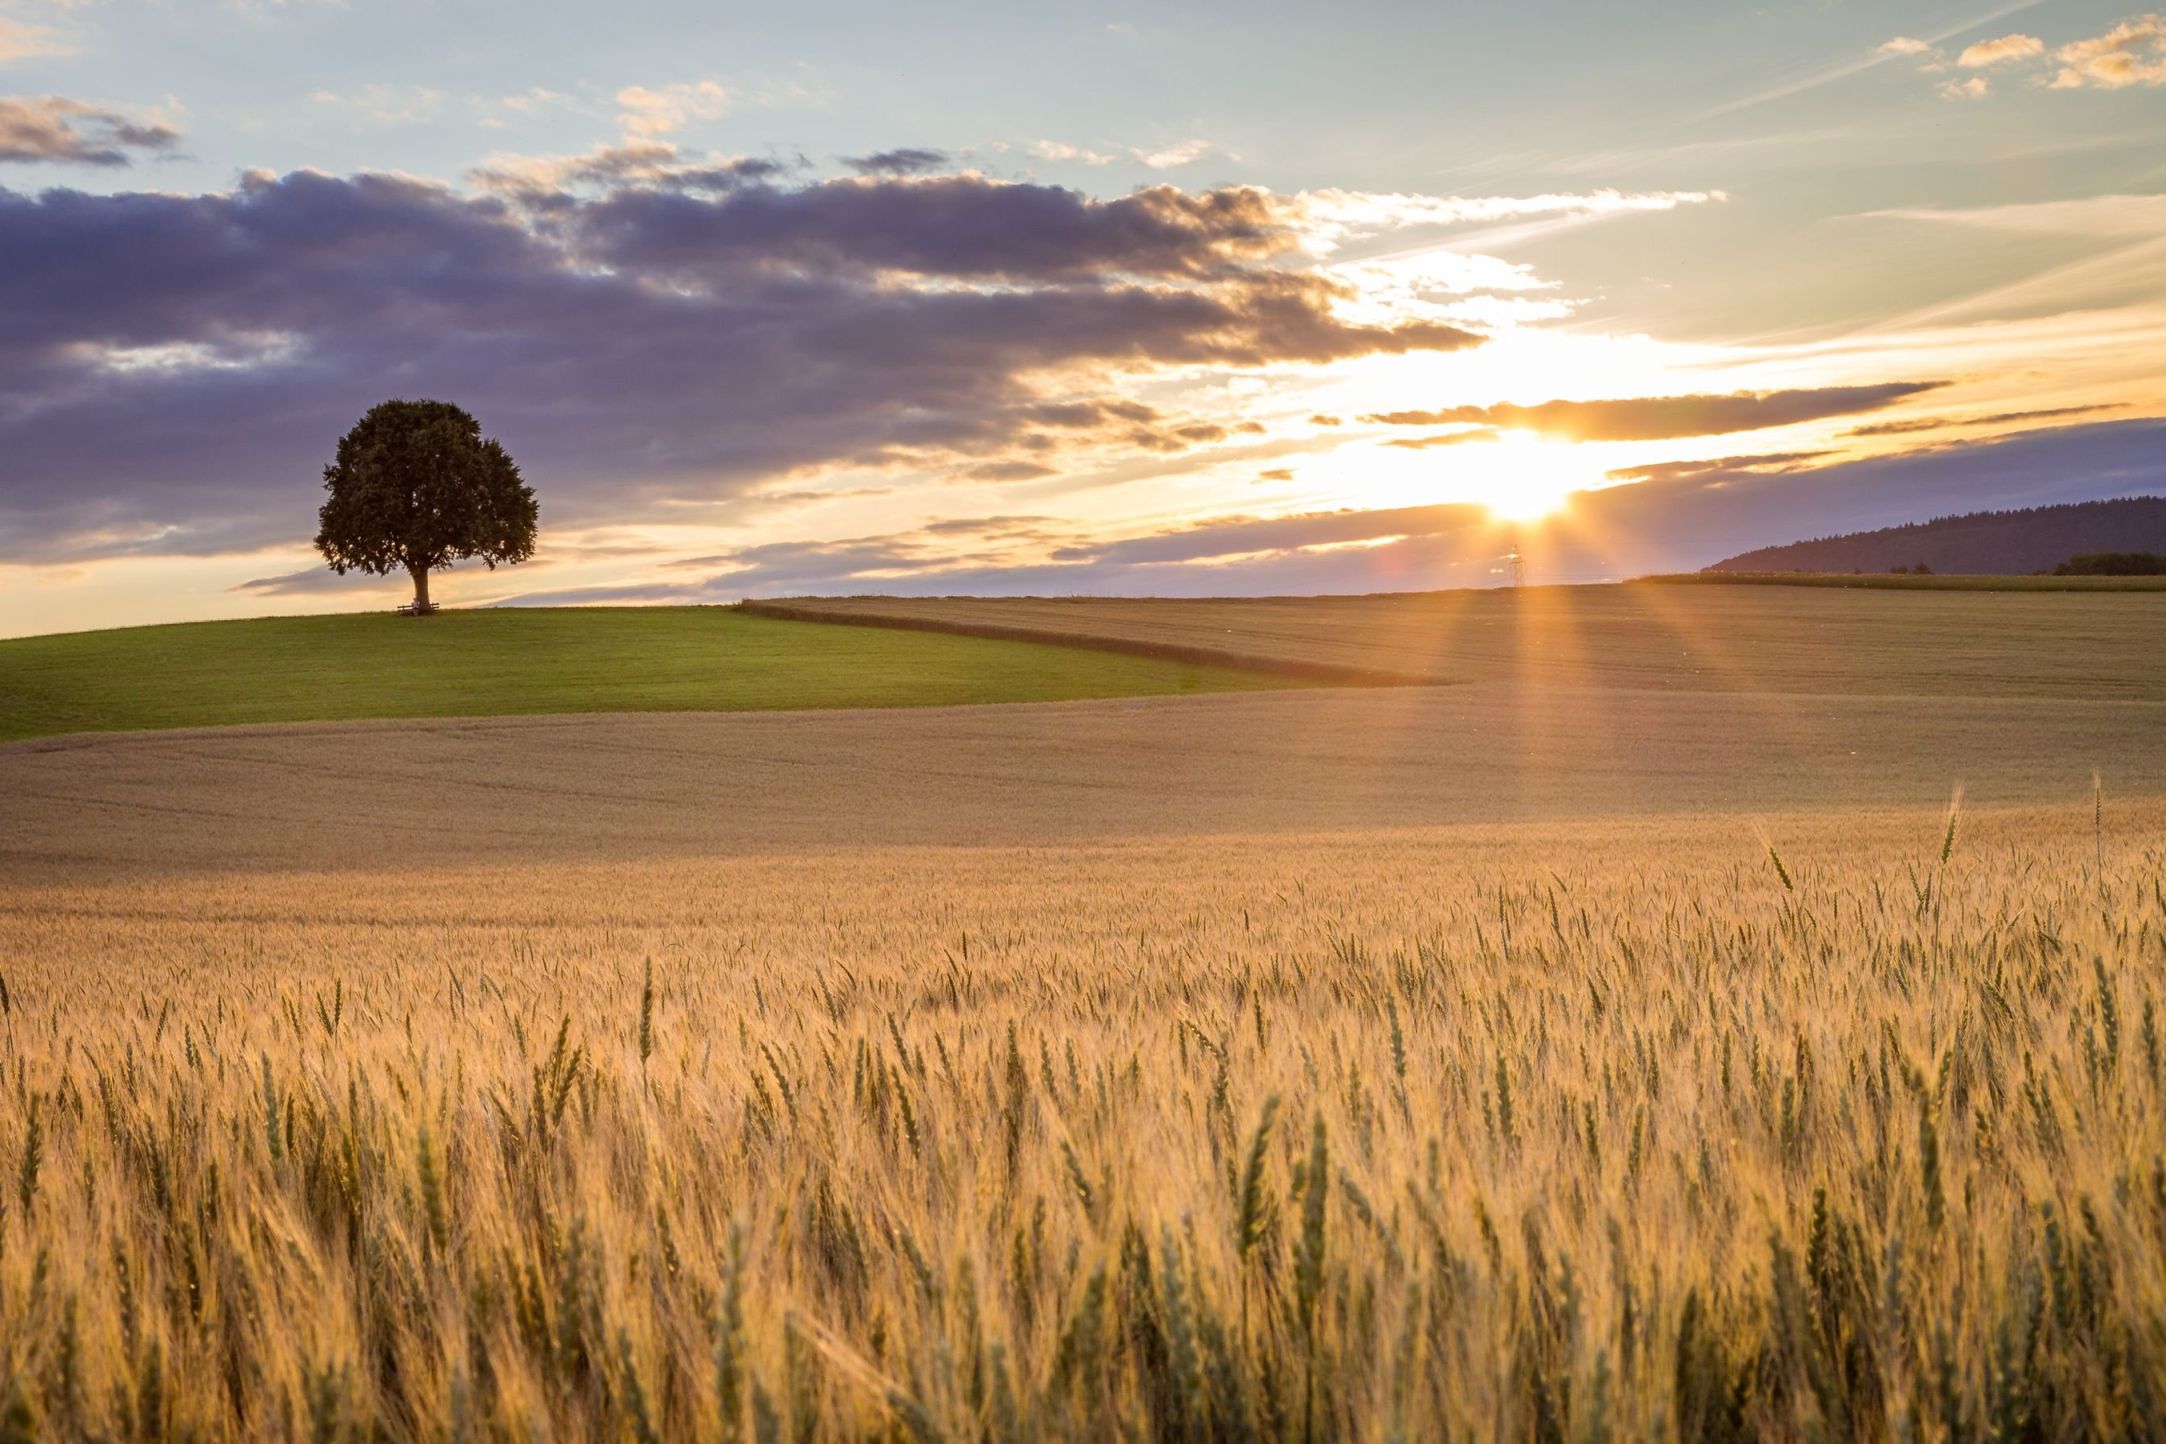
{"points": [[1178, 300]]}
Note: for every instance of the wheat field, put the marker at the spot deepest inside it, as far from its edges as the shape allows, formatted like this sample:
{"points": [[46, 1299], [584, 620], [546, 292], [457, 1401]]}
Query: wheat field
{"points": [[1826, 1126]]}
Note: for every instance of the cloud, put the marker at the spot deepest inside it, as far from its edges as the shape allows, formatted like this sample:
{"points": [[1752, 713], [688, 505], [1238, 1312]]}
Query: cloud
{"points": [[534, 100], [1334, 217], [959, 227], [1249, 536], [1007, 471], [2118, 216], [173, 368], [1443, 438], [2002, 51], [1652, 418], [2131, 53], [20, 40], [1172, 157], [386, 104], [543, 180], [316, 581], [907, 160], [1725, 468], [1681, 516], [56, 130], [1061, 150], [1998, 418], [649, 112]]}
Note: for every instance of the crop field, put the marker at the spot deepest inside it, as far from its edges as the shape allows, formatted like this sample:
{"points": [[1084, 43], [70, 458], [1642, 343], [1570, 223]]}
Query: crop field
{"points": [[1569, 1132], [527, 661], [1572, 1053]]}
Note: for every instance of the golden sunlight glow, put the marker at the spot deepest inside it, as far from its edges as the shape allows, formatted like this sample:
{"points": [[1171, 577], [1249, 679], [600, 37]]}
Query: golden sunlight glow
{"points": [[1525, 478]]}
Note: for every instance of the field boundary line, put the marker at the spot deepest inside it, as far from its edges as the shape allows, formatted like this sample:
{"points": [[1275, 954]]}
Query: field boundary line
{"points": [[1338, 673]]}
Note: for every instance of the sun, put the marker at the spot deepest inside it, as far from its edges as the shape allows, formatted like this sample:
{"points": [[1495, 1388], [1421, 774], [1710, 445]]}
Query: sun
{"points": [[1526, 478]]}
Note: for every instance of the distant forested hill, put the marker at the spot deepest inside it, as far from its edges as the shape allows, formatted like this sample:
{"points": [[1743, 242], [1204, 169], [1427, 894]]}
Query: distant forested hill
{"points": [[2005, 543]]}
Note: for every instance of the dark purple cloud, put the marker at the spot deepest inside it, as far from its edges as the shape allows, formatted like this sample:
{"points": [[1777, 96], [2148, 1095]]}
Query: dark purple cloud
{"points": [[904, 160], [56, 130], [955, 226], [547, 183], [1659, 418], [174, 369]]}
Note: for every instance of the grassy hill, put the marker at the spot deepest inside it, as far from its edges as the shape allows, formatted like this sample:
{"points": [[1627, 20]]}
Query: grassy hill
{"points": [[495, 663]]}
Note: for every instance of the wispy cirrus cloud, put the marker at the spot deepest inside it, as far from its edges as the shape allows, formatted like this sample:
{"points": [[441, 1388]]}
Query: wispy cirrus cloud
{"points": [[1475, 434], [1335, 217], [1993, 418], [1655, 418], [381, 104], [1900, 47]]}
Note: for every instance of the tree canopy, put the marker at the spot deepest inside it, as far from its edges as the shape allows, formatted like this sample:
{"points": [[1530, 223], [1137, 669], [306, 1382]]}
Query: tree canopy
{"points": [[2113, 564], [415, 485]]}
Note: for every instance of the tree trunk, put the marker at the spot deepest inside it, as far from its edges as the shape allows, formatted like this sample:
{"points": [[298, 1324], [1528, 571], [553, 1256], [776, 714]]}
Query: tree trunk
{"points": [[421, 588]]}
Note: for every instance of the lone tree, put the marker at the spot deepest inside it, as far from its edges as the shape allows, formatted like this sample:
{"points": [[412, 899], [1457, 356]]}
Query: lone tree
{"points": [[414, 485]]}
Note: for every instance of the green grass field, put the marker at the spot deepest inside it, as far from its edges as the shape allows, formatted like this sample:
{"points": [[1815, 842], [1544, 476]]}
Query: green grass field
{"points": [[498, 663]]}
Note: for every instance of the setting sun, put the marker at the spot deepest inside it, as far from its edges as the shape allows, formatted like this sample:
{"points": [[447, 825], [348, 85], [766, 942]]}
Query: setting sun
{"points": [[1527, 478]]}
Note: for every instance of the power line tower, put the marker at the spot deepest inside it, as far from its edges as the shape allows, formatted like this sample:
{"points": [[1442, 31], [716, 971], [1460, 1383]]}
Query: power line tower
{"points": [[1518, 563]]}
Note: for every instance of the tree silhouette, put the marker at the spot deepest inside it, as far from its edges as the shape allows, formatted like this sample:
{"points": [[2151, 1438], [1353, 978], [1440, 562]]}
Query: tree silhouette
{"points": [[415, 485]]}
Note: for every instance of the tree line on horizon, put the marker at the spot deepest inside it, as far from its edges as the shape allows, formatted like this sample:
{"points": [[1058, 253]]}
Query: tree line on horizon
{"points": [[2081, 536]]}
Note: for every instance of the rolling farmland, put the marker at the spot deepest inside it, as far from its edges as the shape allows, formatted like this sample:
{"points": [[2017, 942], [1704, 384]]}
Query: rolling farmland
{"points": [[1576, 1051], [538, 661], [1814, 640]]}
